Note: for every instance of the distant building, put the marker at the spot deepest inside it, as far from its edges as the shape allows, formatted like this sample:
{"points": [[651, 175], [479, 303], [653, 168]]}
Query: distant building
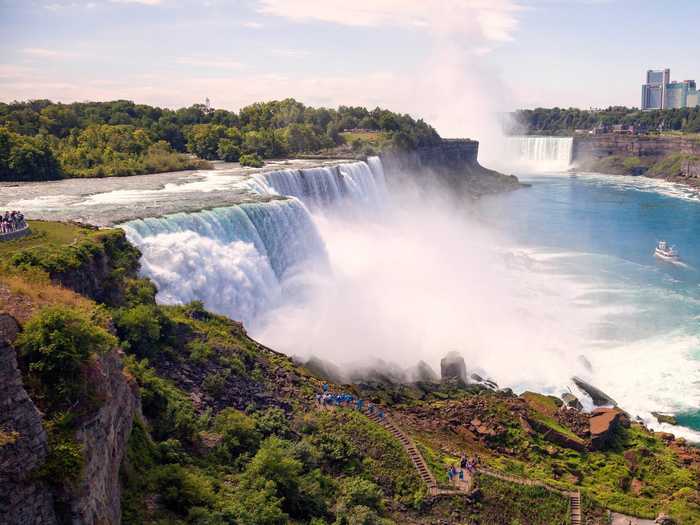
{"points": [[660, 93]]}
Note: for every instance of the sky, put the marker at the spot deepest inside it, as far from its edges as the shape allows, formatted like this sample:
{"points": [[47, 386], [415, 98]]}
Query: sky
{"points": [[448, 61]]}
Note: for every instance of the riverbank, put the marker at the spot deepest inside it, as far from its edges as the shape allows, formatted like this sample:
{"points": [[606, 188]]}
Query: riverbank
{"points": [[674, 158]]}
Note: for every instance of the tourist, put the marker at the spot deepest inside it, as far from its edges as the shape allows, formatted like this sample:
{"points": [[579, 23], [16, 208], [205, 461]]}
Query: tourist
{"points": [[463, 462], [325, 387], [461, 475], [449, 474]]}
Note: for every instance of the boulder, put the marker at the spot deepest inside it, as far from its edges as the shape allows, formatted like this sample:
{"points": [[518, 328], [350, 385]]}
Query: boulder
{"points": [[571, 401], [599, 397], [452, 366], [604, 423], [422, 373], [664, 519], [665, 418]]}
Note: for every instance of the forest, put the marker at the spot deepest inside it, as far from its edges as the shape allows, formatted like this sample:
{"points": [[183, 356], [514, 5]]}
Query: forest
{"points": [[561, 121], [43, 140]]}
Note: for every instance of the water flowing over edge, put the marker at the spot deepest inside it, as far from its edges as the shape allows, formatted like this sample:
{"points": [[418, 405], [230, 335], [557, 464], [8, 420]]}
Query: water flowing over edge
{"points": [[236, 259], [541, 153]]}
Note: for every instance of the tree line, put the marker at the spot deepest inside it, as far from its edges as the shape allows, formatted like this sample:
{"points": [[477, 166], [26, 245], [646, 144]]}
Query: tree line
{"points": [[41, 140], [561, 121]]}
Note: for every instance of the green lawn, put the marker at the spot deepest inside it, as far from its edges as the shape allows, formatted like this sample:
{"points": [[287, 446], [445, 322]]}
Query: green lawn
{"points": [[45, 233]]}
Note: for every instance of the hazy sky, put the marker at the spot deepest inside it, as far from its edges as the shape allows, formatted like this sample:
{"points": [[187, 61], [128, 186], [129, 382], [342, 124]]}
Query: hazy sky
{"points": [[409, 55]]}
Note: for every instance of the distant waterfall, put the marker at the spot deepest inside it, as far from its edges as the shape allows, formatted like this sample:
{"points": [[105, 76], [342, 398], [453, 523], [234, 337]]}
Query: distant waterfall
{"points": [[548, 153], [240, 259], [360, 183]]}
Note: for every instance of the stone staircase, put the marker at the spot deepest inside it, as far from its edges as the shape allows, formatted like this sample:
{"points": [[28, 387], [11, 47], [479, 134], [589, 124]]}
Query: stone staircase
{"points": [[466, 486], [575, 506], [411, 450]]}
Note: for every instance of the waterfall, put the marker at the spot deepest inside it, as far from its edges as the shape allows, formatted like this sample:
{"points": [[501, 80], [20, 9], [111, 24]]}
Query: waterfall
{"points": [[234, 259], [548, 153], [239, 260], [358, 183]]}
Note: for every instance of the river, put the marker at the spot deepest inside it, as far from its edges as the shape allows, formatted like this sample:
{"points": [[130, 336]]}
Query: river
{"points": [[532, 287]]}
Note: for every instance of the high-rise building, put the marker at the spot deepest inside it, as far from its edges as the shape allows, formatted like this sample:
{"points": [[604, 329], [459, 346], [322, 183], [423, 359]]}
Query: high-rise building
{"points": [[658, 76], [654, 91], [660, 93]]}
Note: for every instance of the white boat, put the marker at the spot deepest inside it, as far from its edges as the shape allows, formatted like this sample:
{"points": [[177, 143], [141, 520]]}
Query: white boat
{"points": [[664, 251]]}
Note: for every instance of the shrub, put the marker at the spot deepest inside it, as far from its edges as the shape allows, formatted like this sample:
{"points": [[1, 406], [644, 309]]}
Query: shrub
{"points": [[56, 345], [251, 159], [272, 421], [64, 462], [181, 488], [259, 506], [215, 382], [238, 431], [140, 328], [358, 491]]}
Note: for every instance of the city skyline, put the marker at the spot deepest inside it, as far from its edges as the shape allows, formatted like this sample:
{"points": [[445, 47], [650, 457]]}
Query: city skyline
{"points": [[660, 92]]}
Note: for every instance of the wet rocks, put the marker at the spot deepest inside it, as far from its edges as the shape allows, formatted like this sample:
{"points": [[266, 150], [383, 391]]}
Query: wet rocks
{"points": [[604, 423], [599, 397], [665, 418], [452, 366], [571, 401]]}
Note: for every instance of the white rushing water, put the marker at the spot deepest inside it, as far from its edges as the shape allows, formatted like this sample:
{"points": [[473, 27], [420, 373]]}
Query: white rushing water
{"points": [[241, 260], [540, 153]]}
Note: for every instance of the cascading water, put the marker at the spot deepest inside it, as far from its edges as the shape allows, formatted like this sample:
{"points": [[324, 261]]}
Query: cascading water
{"points": [[358, 183], [240, 260], [542, 153]]}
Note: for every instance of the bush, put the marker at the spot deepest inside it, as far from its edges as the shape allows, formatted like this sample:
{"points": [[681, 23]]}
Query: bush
{"points": [[238, 431], [56, 345], [358, 491], [139, 328], [251, 159], [215, 382], [272, 421], [181, 489]]}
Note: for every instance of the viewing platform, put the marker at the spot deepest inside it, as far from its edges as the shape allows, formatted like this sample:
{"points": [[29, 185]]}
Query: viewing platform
{"points": [[17, 234]]}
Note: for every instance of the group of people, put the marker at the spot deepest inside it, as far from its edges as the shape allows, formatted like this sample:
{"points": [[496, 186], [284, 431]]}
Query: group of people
{"points": [[11, 221], [329, 399], [465, 464]]}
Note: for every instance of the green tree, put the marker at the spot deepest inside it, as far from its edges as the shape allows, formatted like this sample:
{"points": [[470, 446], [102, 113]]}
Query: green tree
{"points": [[56, 345]]}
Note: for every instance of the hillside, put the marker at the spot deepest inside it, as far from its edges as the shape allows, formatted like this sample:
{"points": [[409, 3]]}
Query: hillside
{"points": [[116, 408]]}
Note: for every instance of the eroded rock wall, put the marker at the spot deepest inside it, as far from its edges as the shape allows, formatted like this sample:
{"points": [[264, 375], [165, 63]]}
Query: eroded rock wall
{"points": [[453, 162]]}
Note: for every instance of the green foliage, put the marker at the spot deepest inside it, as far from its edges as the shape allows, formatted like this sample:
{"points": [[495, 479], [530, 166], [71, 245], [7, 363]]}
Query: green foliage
{"points": [[357, 491], [140, 328], [272, 421], [64, 462], [42, 140], [258, 506], [181, 488], [561, 121], [55, 347], [168, 409], [251, 159], [239, 433], [302, 493]]}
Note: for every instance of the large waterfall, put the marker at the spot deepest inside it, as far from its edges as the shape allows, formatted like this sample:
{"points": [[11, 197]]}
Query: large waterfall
{"points": [[357, 182], [240, 260], [545, 153]]}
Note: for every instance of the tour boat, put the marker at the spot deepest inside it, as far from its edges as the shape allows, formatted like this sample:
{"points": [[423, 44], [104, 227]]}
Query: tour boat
{"points": [[664, 251]]}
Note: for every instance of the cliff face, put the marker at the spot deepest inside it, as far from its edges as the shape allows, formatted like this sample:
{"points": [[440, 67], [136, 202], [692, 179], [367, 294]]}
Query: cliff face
{"points": [[24, 447], [588, 151], [98, 496], [23, 442], [453, 162]]}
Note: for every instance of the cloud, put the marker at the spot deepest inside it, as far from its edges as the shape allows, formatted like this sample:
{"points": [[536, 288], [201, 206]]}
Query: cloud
{"points": [[41, 52], [493, 20], [142, 2], [252, 25], [210, 62], [291, 53]]}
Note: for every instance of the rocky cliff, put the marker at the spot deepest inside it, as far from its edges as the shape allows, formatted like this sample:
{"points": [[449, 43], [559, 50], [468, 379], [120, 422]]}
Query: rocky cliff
{"points": [[671, 157], [25, 495], [454, 162], [23, 442]]}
